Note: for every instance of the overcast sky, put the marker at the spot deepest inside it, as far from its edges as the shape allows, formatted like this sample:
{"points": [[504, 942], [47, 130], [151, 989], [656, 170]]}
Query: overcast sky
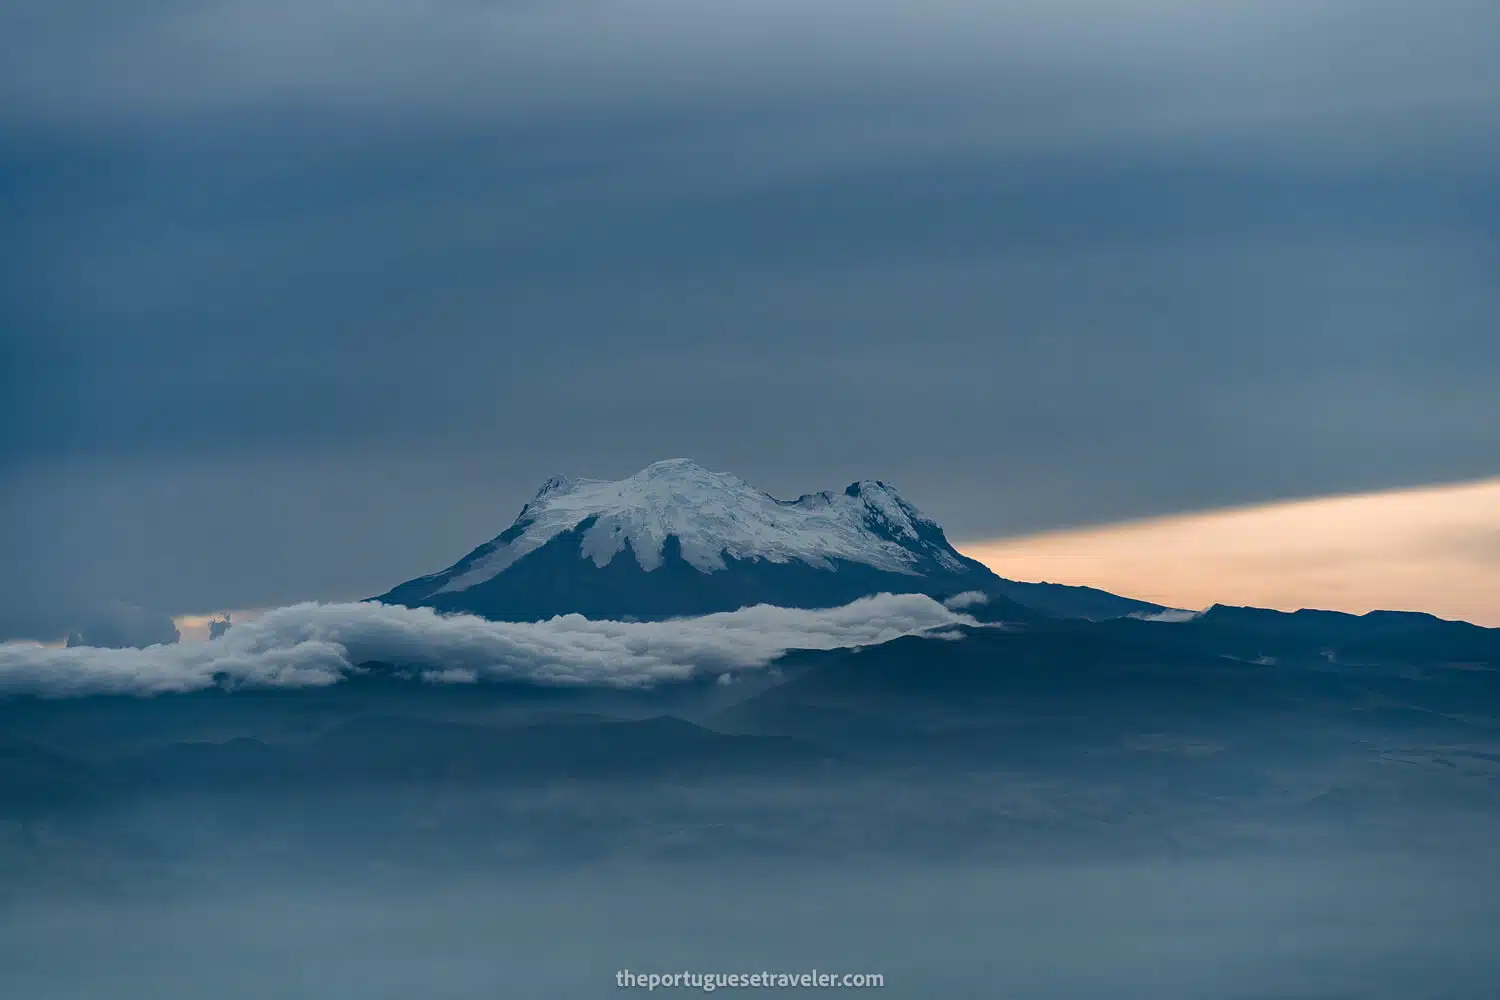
{"points": [[300, 299]]}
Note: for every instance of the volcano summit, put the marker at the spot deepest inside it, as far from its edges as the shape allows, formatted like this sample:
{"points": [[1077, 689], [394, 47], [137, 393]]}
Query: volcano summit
{"points": [[676, 539]]}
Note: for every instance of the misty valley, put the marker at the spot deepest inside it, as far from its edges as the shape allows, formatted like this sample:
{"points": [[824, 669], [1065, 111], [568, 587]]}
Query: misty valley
{"points": [[1244, 804]]}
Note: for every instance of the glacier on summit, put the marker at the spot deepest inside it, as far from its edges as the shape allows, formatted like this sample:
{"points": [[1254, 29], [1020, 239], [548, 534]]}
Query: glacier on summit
{"points": [[713, 515], [677, 539]]}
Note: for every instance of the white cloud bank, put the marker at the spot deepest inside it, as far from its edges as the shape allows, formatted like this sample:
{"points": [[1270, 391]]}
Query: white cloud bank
{"points": [[311, 645], [968, 599]]}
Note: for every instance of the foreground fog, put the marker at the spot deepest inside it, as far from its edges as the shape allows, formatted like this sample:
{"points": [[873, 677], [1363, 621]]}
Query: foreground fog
{"points": [[1369, 926], [1240, 805]]}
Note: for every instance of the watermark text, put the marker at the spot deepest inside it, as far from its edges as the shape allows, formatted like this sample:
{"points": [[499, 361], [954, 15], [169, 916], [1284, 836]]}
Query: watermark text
{"points": [[707, 982]]}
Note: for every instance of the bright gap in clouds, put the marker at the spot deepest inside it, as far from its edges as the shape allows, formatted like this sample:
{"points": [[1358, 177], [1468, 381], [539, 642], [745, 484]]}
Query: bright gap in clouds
{"points": [[1434, 549]]}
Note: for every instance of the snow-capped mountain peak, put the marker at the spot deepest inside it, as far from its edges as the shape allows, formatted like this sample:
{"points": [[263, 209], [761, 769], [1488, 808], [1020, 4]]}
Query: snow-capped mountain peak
{"points": [[713, 516], [676, 539]]}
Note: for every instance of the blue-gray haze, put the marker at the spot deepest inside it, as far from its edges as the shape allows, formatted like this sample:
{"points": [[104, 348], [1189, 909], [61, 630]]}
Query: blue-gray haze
{"points": [[301, 299]]}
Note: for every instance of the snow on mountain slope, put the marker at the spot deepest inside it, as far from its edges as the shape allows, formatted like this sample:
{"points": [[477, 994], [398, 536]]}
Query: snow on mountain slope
{"points": [[714, 515], [677, 540]]}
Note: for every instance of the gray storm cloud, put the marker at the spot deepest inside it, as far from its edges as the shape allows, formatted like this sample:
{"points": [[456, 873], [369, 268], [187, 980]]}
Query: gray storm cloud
{"points": [[1157, 66], [312, 645], [117, 625]]}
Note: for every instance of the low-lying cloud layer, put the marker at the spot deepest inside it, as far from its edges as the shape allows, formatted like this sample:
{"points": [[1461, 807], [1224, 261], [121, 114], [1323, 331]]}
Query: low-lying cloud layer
{"points": [[312, 645]]}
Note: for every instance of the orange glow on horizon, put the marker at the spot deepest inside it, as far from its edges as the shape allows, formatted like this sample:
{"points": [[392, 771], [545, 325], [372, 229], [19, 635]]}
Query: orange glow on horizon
{"points": [[194, 628], [1434, 549]]}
